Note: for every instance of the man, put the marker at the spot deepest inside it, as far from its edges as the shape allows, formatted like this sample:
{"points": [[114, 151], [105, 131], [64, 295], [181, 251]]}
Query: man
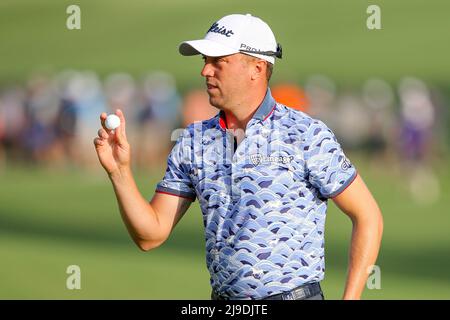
{"points": [[262, 173]]}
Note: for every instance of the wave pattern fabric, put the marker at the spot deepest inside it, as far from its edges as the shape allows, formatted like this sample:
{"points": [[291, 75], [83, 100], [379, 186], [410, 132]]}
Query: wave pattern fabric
{"points": [[263, 204]]}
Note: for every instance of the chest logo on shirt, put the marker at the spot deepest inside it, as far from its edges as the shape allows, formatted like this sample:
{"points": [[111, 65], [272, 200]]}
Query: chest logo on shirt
{"points": [[256, 159]]}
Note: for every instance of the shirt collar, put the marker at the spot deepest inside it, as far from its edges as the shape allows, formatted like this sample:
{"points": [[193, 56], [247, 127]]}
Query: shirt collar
{"points": [[266, 107], [262, 113]]}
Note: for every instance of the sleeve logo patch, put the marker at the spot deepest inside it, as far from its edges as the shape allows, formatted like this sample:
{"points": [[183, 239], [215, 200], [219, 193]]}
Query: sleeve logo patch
{"points": [[346, 164]]}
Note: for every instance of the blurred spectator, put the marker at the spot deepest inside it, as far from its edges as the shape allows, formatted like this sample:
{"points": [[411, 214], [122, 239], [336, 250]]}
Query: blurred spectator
{"points": [[12, 124], [352, 120], [291, 95], [66, 119], [2, 138], [321, 94], [196, 107], [40, 136], [122, 93], [416, 140], [84, 93], [162, 101], [378, 96], [157, 118], [417, 120]]}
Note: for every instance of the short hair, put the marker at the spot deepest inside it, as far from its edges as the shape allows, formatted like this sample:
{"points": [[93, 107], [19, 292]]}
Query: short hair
{"points": [[269, 70]]}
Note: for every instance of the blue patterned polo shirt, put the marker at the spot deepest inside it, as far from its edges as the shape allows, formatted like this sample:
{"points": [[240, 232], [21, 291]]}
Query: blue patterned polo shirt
{"points": [[263, 201]]}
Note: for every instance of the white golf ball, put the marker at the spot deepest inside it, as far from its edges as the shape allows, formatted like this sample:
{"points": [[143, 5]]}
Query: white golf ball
{"points": [[112, 122]]}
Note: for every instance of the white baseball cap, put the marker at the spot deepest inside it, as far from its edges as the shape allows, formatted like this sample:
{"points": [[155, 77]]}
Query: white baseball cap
{"points": [[233, 34]]}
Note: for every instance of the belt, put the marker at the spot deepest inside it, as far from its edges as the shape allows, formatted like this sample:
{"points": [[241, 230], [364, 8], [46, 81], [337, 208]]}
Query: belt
{"points": [[300, 293]]}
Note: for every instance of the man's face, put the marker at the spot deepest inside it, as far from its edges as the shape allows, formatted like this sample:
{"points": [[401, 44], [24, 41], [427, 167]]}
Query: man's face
{"points": [[226, 78]]}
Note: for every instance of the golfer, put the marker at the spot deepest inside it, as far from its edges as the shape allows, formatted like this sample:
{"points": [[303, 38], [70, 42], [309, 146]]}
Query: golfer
{"points": [[262, 173]]}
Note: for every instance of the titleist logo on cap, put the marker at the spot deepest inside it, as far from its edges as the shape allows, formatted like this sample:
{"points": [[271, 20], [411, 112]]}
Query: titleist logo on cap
{"points": [[220, 30]]}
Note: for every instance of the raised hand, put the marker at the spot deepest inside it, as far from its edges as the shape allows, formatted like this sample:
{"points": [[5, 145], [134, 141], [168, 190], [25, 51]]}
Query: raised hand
{"points": [[113, 149]]}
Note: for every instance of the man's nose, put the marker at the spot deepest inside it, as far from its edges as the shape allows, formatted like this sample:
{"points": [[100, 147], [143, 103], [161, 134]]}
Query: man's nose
{"points": [[208, 70]]}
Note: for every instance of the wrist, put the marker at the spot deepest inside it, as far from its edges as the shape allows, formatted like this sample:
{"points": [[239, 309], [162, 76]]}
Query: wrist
{"points": [[121, 174]]}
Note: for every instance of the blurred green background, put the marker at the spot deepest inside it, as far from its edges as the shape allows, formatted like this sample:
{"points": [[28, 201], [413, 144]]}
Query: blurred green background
{"points": [[53, 218], [317, 36]]}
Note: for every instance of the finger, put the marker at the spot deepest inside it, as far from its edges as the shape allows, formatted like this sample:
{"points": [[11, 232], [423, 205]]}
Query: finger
{"points": [[121, 116], [120, 131], [98, 142], [103, 134], [103, 119]]}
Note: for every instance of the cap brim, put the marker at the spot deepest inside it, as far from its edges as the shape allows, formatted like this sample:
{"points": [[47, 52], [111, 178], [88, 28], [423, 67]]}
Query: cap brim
{"points": [[206, 47]]}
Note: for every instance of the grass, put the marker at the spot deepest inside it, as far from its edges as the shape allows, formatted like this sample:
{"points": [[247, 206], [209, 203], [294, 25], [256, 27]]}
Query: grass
{"points": [[52, 219], [318, 37]]}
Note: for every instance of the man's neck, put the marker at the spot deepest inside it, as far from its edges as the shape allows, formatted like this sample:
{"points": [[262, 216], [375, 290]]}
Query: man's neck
{"points": [[238, 117]]}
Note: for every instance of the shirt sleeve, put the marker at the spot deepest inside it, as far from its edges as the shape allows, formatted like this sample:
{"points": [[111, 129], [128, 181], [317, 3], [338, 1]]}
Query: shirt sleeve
{"points": [[329, 169], [176, 180]]}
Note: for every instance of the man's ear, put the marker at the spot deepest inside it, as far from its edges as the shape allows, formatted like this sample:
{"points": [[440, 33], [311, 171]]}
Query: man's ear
{"points": [[259, 69]]}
